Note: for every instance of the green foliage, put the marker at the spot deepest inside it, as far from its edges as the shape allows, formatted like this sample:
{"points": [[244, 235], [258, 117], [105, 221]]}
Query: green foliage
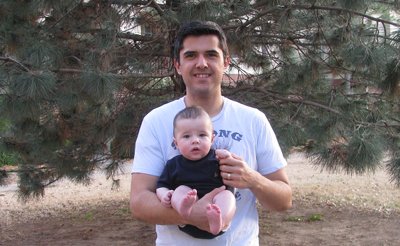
{"points": [[390, 82], [32, 87], [77, 77], [7, 159]]}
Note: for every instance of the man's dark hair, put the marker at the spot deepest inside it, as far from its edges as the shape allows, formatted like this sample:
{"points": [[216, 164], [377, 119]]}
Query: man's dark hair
{"points": [[192, 112], [199, 28]]}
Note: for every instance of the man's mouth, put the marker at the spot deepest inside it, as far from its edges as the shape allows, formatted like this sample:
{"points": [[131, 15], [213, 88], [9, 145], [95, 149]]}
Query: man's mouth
{"points": [[202, 75]]}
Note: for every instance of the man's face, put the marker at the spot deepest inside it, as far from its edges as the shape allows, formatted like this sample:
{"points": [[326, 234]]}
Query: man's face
{"points": [[201, 65], [193, 137]]}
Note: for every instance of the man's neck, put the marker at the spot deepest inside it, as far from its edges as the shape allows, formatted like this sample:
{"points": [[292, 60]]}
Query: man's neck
{"points": [[212, 105]]}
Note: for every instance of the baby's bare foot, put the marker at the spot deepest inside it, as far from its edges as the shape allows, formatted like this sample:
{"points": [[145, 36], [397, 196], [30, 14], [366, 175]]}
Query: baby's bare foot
{"points": [[214, 218], [187, 203]]}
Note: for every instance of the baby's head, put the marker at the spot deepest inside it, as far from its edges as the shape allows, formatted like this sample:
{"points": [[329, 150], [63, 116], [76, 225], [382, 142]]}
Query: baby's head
{"points": [[193, 132]]}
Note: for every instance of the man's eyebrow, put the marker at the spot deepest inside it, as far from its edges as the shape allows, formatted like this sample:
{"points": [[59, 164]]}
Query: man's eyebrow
{"points": [[211, 51], [189, 52]]}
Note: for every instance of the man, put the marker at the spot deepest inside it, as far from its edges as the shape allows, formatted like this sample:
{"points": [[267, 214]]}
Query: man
{"points": [[256, 168]]}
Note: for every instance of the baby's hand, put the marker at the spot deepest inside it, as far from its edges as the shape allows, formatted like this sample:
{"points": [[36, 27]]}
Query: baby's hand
{"points": [[166, 199], [222, 154]]}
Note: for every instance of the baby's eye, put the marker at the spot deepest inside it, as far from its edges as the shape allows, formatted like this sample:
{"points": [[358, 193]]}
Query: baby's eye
{"points": [[186, 136]]}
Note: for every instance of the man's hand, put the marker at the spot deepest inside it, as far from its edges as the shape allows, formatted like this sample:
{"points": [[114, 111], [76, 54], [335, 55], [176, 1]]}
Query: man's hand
{"points": [[272, 190], [234, 171]]}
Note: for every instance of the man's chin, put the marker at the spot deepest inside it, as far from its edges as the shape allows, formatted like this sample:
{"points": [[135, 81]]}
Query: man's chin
{"points": [[201, 91]]}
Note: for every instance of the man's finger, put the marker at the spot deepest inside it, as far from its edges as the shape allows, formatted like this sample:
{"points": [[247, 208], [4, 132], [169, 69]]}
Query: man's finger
{"points": [[236, 156]]}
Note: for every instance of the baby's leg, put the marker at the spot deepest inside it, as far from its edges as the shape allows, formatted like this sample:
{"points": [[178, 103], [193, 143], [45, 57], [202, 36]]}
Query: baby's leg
{"points": [[220, 213], [183, 199]]}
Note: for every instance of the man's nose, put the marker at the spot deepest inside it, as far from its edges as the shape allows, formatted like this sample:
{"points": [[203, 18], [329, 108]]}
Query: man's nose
{"points": [[201, 62]]}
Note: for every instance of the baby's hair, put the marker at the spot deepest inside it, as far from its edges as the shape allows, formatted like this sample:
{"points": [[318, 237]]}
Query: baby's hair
{"points": [[192, 112]]}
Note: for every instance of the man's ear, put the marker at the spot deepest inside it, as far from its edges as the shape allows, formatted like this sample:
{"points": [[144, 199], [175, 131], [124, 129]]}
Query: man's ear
{"points": [[177, 66], [227, 62]]}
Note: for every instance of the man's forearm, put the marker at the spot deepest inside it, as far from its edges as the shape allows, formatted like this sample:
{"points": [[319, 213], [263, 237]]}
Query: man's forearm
{"points": [[272, 191], [145, 205]]}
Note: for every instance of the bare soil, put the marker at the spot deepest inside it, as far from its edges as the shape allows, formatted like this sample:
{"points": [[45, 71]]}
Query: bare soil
{"points": [[328, 209]]}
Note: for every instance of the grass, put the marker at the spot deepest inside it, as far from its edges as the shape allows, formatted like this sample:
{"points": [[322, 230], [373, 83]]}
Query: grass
{"points": [[310, 218], [89, 216]]}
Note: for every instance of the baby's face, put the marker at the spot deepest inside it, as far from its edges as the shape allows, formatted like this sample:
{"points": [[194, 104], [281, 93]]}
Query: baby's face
{"points": [[193, 137]]}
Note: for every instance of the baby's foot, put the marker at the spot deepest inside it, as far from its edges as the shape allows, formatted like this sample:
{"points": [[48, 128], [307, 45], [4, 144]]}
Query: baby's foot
{"points": [[187, 203], [214, 218]]}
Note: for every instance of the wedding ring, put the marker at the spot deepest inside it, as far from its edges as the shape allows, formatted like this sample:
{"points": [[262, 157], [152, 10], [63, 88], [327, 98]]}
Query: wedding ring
{"points": [[229, 176]]}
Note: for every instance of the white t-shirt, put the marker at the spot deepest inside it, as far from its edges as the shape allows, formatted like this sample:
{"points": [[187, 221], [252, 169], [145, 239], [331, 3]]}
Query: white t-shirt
{"points": [[240, 129]]}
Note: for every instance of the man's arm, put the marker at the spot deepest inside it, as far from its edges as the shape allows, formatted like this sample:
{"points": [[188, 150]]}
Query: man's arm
{"points": [[145, 205], [272, 191]]}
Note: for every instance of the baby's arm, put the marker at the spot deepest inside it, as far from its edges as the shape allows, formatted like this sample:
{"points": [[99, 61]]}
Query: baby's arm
{"points": [[164, 195]]}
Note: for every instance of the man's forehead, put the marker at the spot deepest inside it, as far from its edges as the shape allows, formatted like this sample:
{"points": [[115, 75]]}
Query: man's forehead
{"points": [[201, 43]]}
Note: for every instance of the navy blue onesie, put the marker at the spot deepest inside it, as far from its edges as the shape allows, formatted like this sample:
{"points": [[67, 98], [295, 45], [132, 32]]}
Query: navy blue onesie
{"points": [[203, 175]]}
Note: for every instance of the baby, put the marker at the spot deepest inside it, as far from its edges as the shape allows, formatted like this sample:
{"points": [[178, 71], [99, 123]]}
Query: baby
{"points": [[195, 172]]}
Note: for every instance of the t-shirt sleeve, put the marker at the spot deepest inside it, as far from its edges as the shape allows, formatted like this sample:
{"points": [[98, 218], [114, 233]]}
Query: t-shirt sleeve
{"points": [[269, 154], [148, 157]]}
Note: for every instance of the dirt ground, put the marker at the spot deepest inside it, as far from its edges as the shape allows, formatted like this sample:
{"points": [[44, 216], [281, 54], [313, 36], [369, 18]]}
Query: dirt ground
{"points": [[328, 209]]}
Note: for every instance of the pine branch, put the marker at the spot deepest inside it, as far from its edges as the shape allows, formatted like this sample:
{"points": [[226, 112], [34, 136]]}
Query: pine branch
{"points": [[308, 7], [9, 59], [119, 76], [313, 7], [135, 37], [157, 7], [291, 98], [65, 15], [128, 2], [241, 27], [382, 124]]}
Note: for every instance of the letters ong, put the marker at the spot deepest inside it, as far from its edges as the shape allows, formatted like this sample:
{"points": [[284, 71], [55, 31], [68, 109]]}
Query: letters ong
{"points": [[226, 134]]}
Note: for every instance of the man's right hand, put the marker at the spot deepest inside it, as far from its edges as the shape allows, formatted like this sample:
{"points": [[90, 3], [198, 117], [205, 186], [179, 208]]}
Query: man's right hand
{"points": [[198, 216]]}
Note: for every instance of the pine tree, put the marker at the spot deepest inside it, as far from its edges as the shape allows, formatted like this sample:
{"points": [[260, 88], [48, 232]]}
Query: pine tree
{"points": [[77, 77]]}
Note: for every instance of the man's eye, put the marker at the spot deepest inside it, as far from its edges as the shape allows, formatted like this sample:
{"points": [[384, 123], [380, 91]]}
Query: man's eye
{"points": [[189, 55], [213, 54]]}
